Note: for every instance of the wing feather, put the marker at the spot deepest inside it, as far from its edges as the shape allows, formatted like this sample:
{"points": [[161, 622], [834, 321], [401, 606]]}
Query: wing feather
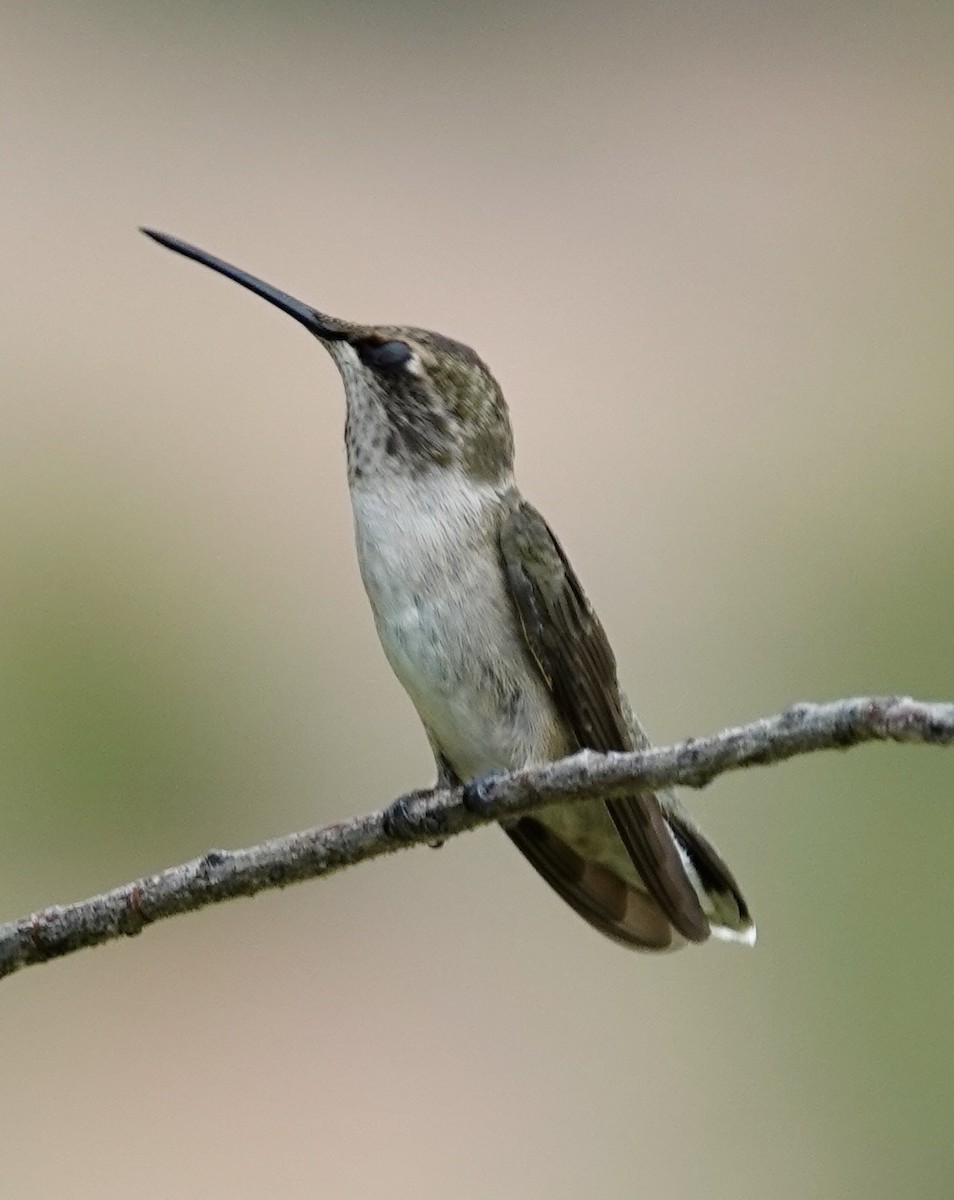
{"points": [[568, 644]]}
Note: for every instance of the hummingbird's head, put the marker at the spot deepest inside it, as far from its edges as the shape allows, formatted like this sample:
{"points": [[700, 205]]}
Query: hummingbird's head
{"points": [[422, 401], [417, 401]]}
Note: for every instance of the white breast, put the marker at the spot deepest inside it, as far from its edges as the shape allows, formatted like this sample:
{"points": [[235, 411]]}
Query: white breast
{"points": [[427, 548]]}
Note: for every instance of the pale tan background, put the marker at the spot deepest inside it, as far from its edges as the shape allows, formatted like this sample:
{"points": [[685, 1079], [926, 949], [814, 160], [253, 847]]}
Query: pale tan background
{"points": [[708, 250]]}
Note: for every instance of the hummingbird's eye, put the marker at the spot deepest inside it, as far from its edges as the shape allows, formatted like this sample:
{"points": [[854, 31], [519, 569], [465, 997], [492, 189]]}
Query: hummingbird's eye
{"points": [[383, 356]]}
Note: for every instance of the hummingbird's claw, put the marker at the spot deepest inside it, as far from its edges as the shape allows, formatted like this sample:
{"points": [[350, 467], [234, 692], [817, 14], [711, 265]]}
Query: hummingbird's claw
{"points": [[406, 819], [478, 792]]}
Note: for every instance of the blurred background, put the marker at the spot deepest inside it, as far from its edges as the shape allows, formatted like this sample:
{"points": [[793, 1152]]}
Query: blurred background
{"points": [[708, 251]]}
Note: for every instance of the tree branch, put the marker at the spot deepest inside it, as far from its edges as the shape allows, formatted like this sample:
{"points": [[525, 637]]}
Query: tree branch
{"points": [[435, 815]]}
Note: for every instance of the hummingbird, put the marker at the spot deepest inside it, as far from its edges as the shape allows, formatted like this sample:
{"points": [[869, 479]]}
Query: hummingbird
{"points": [[487, 627]]}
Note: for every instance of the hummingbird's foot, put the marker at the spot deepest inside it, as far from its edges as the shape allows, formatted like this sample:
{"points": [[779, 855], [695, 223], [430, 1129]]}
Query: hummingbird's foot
{"points": [[405, 821], [478, 792]]}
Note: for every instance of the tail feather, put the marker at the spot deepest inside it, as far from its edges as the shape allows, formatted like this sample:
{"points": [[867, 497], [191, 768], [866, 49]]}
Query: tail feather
{"points": [[720, 895], [614, 907]]}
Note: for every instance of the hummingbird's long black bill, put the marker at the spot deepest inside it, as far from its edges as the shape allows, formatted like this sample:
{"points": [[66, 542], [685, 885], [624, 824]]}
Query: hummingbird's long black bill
{"points": [[314, 321]]}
